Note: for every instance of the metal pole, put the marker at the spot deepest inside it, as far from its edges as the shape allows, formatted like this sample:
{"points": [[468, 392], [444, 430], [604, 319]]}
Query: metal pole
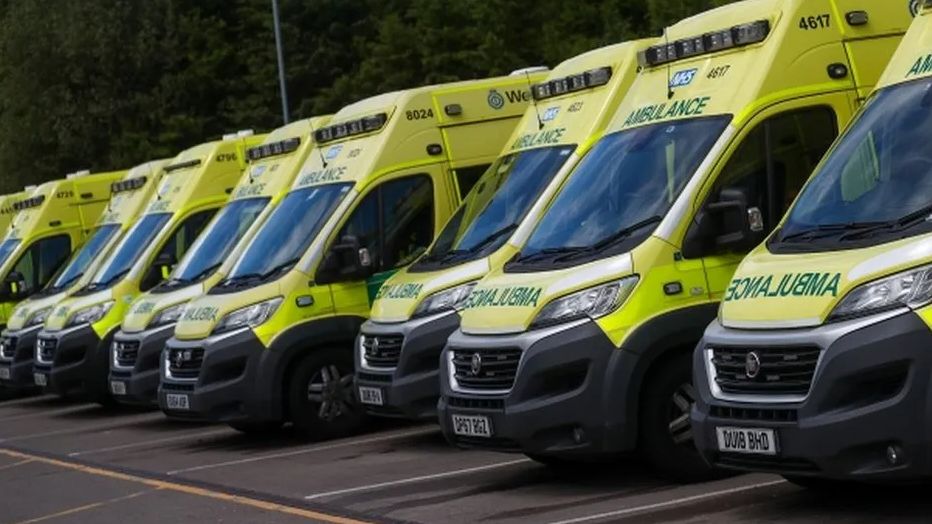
{"points": [[281, 61]]}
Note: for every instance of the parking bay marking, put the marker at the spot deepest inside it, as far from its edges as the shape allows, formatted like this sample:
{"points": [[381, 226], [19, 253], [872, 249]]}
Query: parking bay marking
{"points": [[123, 421], [413, 480], [325, 447], [152, 442], [669, 503]]}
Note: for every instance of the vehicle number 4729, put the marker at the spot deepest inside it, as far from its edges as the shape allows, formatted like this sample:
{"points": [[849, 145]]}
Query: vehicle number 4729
{"points": [[814, 22]]}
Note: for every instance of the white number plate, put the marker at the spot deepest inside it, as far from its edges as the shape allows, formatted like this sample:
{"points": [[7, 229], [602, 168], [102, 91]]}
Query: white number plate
{"points": [[117, 387], [5, 373], [175, 401], [756, 441], [41, 379], [472, 426], [371, 396]]}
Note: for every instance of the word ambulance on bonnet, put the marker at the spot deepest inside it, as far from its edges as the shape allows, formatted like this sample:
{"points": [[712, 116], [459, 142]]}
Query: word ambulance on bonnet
{"points": [[150, 321], [818, 365], [580, 346], [273, 341], [18, 340], [73, 348], [415, 311]]}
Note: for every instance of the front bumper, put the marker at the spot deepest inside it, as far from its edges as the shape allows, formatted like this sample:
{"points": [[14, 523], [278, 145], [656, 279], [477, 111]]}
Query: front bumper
{"points": [[134, 364], [73, 360], [869, 393], [561, 401], [410, 387], [224, 383], [17, 353]]}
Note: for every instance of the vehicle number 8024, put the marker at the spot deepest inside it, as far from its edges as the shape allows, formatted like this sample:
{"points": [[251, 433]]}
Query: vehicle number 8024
{"points": [[419, 114]]}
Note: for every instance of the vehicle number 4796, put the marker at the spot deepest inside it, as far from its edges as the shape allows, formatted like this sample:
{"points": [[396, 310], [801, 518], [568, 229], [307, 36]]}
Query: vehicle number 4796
{"points": [[814, 22]]}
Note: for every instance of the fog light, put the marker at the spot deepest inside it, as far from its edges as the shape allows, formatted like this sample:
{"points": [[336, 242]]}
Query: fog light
{"points": [[579, 435], [893, 455]]}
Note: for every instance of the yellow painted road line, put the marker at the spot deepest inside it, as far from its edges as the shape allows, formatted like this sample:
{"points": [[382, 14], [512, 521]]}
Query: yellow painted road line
{"points": [[669, 503], [188, 489], [143, 443], [85, 507], [312, 449], [412, 480]]}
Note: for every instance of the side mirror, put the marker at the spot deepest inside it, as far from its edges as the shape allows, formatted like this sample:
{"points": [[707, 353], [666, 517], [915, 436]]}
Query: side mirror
{"points": [[14, 286], [345, 260], [727, 224]]}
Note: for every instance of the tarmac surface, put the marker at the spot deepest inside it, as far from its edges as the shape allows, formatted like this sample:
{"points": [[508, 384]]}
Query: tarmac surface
{"points": [[63, 461]]}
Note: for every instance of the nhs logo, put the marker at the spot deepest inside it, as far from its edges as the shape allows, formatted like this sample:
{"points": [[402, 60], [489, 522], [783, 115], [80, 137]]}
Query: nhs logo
{"points": [[334, 152], [550, 113], [683, 78]]}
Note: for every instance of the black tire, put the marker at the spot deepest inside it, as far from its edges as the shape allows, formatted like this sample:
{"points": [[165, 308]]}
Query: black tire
{"points": [[665, 434], [322, 396], [257, 428]]}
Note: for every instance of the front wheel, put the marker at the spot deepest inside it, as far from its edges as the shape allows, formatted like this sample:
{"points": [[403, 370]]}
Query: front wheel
{"points": [[322, 396], [665, 431]]}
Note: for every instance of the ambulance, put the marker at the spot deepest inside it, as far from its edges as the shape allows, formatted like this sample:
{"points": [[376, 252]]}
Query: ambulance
{"points": [[415, 311], [72, 353], [150, 321], [580, 346], [18, 340], [273, 341], [817, 366], [50, 224]]}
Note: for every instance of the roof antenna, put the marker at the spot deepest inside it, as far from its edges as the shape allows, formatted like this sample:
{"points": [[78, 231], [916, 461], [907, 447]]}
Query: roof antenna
{"points": [[530, 90], [670, 92], [323, 161]]}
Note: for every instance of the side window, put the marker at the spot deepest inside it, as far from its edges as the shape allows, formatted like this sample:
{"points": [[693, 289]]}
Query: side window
{"points": [[395, 221], [776, 158], [41, 261], [466, 177], [176, 246]]}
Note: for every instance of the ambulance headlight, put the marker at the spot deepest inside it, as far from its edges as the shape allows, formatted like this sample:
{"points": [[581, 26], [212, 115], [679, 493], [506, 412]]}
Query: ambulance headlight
{"points": [[912, 288], [169, 315], [89, 315], [594, 302], [250, 316], [448, 299], [39, 317]]}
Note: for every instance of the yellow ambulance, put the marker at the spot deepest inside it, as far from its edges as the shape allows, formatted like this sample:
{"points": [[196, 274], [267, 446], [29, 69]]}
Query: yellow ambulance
{"points": [[817, 366], [273, 341], [415, 311], [150, 321], [73, 347], [50, 224], [18, 340], [580, 346]]}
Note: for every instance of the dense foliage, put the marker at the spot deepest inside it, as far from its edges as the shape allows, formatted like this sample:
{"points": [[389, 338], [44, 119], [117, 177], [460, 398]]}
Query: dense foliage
{"points": [[104, 84]]}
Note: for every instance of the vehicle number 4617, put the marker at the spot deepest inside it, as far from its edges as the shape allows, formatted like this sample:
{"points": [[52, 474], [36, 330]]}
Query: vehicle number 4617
{"points": [[814, 22]]}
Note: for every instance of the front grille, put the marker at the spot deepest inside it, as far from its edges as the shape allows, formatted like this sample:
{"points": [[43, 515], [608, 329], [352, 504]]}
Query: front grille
{"points": [[755, 414], [782, 370], [382, 351], [125, 352], [765, 463], [486, 368], [168, 386], [185, 362], [7, 348], [476, 403], [45, 348], [374, 377]]}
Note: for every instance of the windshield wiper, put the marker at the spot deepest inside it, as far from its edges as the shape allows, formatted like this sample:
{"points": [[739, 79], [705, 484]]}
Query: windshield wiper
{"points": [[175, 282], [549, 252], [824, 230], [916, 217], [624, 233], [455, 253], [99, 285], [284, 265]]}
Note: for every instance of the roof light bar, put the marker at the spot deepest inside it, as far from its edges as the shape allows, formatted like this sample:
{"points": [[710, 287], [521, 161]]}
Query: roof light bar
{"points": [[130, 184], [569, 84], [183, 165], [350, 128], [736, 36], [35, 201], [273, 149]]}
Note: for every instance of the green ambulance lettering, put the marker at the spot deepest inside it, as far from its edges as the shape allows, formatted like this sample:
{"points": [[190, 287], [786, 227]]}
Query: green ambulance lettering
{"points": [[922, 66], [520, 296], [790, 284], [330, 174], [540, 138], [201, 313], [679, 109], [144, 308], [399, 291]]}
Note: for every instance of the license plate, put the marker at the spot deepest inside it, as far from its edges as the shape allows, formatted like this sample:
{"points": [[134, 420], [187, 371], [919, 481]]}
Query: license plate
{"points": [[117, 387], [41, 379], [175, 401], [756, 441], [472, 426], [4, 373], [371, 396]]}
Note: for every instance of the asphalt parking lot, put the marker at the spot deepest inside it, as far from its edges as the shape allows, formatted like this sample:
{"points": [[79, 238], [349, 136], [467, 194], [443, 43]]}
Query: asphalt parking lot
{"points": [[64, 461]]}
